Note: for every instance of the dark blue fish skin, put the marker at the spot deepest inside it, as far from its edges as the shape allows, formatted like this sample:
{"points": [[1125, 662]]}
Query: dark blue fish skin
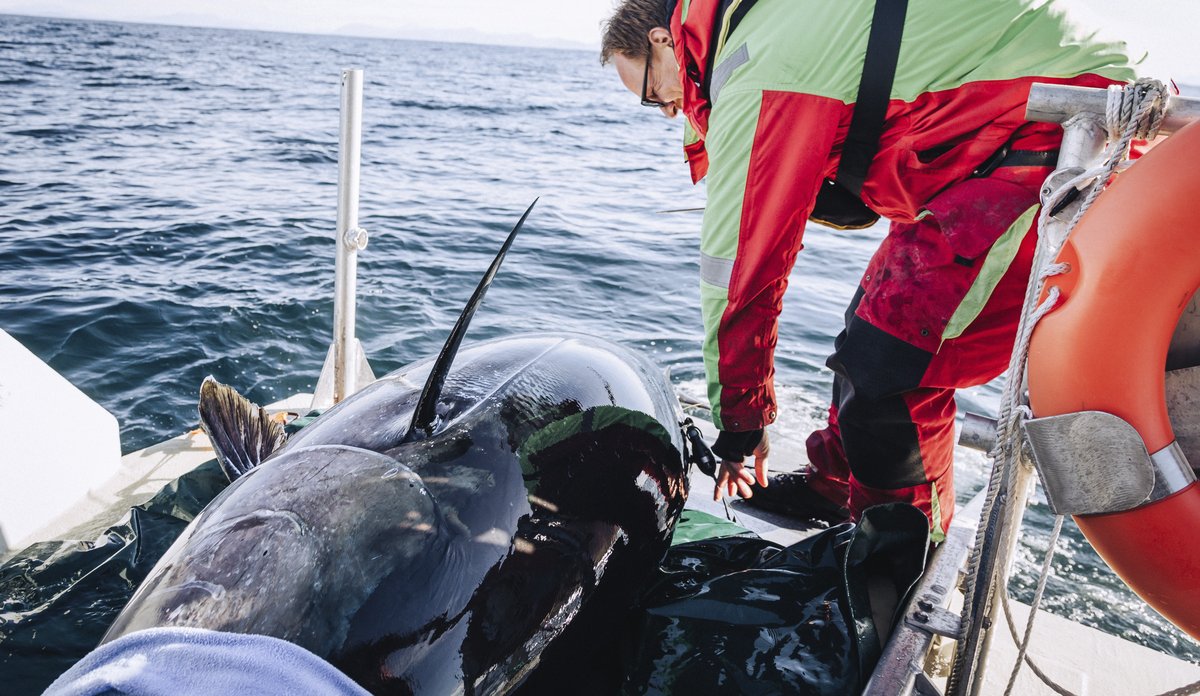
{"points": [[554, 473]]}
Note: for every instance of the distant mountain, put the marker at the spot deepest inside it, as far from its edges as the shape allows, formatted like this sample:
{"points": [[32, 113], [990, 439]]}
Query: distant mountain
{"points": [[458, 36], [198, 19]]}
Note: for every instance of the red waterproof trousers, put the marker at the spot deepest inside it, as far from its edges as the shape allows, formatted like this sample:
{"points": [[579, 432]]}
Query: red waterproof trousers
{"points": [[904, 350]]}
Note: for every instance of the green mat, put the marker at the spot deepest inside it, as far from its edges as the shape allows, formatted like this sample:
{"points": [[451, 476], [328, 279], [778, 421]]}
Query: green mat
{"points": [[694, 525]]}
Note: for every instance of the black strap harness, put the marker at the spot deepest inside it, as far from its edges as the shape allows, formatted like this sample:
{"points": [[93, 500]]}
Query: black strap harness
{"points": [[838, 203], [874, 89], [874, 93]]}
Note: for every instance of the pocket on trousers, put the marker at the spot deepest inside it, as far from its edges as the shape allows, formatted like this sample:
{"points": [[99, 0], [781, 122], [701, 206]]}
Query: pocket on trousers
{"points": [[974, 213]]}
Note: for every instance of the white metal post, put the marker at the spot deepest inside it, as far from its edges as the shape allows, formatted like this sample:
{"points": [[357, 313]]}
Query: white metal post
{"points": [[346, 368], [346, 278]]}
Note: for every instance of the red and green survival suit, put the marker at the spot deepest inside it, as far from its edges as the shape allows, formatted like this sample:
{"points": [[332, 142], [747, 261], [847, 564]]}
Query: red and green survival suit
{"points": [[768, 106]]}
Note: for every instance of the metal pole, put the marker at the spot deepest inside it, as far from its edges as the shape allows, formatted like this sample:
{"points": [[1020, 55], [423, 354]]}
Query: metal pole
{"points": [[1059, 103], [1013, 511], [350, 238]]}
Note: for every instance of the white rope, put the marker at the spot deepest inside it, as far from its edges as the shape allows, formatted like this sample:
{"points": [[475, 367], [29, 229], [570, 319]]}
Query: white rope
{"points": [[1033, 607], [1188, 690], [1131, 111], [1124, 100], [1023, 657], [1141, 108], [1033, 666]]}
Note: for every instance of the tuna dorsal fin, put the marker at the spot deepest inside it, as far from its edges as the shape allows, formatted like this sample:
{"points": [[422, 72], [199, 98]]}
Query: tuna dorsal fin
{"points": [[242, 433], [424, 417]]}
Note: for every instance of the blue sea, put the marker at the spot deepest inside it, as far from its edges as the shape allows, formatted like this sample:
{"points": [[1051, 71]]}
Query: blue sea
{"points": [[168, 198]]}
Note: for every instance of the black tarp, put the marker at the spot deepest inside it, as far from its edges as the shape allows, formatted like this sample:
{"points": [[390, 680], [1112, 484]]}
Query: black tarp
{"points": [[733, 614], [743, 615]]}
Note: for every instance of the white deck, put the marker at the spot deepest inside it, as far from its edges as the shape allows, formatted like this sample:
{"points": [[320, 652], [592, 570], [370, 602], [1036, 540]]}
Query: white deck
{"points": [[1082, 659], [141, 475]]}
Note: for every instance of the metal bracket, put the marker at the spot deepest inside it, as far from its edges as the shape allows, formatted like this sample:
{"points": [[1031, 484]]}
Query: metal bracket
{"points": [[1090, 462], [1172, 472], [935, 620], [323, 395], [355, 239], [1093, 462], [1066, 210]]}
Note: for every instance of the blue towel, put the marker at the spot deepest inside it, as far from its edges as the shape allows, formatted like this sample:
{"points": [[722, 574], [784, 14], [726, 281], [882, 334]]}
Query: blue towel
{"points": [[160, 661]]}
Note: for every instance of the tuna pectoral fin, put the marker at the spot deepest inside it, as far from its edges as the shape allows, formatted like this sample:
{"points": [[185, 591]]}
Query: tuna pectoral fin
{"points": [[242, 433]]}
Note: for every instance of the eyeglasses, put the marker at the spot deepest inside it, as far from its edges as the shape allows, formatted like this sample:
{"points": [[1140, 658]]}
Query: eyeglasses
{"points": [[645, 81]]}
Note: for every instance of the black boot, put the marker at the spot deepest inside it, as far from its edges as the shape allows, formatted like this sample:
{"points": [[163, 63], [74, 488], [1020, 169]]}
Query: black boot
{"points": [[789, 494]]}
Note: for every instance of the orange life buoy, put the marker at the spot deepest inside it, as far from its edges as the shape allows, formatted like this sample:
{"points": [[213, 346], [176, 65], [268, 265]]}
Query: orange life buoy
{"points": [[1134, 265]]}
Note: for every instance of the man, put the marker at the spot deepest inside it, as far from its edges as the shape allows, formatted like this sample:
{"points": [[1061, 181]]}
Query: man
{"points": [[770, 89]]}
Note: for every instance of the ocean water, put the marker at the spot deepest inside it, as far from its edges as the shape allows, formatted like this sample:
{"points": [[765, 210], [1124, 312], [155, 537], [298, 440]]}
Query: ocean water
{"points": [[168, 196]]}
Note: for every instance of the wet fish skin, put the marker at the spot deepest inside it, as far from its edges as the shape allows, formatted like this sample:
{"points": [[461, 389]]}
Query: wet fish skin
{"points": [[450, 562]]}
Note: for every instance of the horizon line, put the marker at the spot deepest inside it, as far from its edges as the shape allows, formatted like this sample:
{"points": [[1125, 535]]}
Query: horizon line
{"points": [[503, 40]]}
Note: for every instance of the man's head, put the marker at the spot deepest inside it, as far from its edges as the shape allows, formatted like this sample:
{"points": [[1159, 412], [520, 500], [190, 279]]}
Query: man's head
{"points": [[637, 41]]}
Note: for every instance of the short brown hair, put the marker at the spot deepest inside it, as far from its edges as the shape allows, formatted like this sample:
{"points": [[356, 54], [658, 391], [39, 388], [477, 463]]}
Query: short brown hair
{"points": [[626, 31]]}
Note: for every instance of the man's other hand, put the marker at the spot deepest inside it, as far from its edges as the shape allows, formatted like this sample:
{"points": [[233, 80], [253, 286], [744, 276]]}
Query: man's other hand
{"points": [[733, 477]]}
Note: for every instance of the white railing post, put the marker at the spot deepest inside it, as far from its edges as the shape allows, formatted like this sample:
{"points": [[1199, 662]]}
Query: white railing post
{"points": [[346, 368]]}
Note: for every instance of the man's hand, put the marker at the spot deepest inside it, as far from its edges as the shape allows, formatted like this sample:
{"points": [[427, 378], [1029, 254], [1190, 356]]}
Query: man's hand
{"points": [[734, 478]]}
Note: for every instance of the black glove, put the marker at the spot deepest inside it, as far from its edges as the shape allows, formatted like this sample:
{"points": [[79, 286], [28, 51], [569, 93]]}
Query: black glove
{"points": [[735, 447]]}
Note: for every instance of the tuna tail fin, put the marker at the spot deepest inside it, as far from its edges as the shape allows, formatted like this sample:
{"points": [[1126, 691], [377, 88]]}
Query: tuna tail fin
{"points": [[425, 415], [242, 433]]}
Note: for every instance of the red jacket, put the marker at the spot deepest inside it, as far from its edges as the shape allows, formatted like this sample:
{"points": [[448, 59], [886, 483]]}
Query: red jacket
{"points": [[771, 127]]}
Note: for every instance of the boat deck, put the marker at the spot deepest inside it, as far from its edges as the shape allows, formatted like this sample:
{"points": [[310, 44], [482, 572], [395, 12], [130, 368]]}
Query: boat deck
{"points": [[141, 475]]}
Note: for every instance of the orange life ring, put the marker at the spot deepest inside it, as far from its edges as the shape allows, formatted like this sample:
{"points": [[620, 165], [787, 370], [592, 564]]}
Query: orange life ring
{"points": [[1134, 265]]}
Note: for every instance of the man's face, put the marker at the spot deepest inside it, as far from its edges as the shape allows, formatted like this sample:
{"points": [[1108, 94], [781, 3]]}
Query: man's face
{"points": [[661, 74]]}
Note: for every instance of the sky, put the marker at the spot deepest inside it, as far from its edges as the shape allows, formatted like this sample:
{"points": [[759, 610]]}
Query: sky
{"points": [[1164, 28], [563, 22]]}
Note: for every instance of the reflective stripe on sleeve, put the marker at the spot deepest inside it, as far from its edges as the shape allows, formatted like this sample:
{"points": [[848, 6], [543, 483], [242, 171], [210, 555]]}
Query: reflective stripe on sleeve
{"points": [[715, 271], [722, 72]]}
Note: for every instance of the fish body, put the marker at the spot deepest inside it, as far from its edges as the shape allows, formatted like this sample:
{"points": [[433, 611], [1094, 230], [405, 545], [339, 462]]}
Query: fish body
{"points": [[444, 559]]}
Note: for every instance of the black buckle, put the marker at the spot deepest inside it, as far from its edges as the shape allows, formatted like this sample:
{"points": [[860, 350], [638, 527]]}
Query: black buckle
{"points": [[1007, 157], [992, 163], [700, 454]]}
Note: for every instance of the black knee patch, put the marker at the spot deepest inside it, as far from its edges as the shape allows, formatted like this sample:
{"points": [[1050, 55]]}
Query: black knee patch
{"points": [[873, 370], [877, 363], [880, 440]]}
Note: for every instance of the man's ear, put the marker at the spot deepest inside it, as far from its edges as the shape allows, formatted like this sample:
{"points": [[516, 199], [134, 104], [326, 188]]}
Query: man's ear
{"points": [[660, 35]]}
